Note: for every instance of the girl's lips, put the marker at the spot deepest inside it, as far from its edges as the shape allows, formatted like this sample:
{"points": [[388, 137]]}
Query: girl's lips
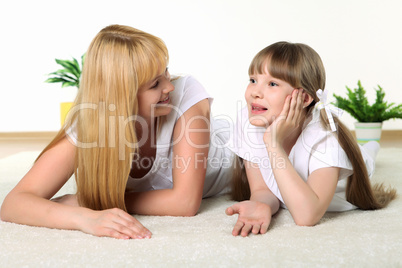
{"points": [[257, 109]]}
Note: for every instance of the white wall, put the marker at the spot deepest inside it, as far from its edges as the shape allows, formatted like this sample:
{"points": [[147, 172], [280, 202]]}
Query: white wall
{"points": [[214, 40]]}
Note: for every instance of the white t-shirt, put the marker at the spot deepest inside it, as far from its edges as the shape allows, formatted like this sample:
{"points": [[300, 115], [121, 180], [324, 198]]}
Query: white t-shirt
{"points": [[188, 91], [315, 148]]}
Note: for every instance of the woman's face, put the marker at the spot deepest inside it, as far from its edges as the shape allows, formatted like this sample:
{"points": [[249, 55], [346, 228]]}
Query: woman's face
{"points": [[153, 96]]}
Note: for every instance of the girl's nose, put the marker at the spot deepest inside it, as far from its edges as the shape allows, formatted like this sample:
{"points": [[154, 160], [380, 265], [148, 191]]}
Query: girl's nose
{"points": [[256, 92]]}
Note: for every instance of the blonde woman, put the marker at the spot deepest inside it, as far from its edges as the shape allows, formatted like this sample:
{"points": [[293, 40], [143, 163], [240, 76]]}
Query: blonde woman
{"points": [[137, 141], [296, 152]]}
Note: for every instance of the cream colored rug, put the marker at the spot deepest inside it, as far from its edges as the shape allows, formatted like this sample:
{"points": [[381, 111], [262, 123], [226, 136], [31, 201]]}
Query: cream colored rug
{"points": [[349, 239]]}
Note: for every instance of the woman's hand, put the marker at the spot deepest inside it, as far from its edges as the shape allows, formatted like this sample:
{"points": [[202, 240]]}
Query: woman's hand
{"points": [[288, 120], [254, 217], [114, 223]]}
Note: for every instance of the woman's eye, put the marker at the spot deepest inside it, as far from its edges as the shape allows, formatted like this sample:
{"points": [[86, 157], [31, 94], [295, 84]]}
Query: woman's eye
{"points": [[155, 84], [273, 84]]}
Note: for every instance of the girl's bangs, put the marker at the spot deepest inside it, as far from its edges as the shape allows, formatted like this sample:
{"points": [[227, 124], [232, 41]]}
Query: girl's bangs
{"points": [[276, 64]]}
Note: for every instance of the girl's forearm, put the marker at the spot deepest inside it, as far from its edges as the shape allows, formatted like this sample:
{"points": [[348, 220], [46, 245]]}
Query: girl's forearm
{"points": [[267, 198], [298, 196]]}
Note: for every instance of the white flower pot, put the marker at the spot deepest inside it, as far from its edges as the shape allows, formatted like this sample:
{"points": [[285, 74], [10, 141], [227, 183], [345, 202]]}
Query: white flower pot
{"points": [[366, 132]]}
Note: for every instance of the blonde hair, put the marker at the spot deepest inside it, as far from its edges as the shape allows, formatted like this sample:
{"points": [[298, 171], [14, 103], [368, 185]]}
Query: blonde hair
{"points": [[119, 60], [301, 67]]}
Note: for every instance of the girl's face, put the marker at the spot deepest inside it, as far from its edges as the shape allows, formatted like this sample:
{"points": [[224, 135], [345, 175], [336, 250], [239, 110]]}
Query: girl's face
{"points": [[153, 96], [265, 96]]}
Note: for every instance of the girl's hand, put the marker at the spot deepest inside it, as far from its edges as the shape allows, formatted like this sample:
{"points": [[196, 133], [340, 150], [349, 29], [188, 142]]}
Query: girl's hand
{"points": [[287, 121], [114, 223], [253, 217]]}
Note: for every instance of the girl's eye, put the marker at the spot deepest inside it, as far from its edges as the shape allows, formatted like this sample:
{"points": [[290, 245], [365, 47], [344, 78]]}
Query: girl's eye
{"points": [[252, 81], [273, 84]]}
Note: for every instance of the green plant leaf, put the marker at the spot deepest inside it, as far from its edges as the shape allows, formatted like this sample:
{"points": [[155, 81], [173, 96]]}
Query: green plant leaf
{"points": [[357, 105], [70, 74]]}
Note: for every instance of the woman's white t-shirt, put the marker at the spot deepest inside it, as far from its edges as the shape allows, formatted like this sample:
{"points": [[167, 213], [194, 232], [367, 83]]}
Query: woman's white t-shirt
{"points": [[314, 149], [188, 91]]}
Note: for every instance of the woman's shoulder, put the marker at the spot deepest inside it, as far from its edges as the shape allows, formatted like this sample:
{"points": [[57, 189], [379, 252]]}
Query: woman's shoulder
{"points": [[185, 81]]}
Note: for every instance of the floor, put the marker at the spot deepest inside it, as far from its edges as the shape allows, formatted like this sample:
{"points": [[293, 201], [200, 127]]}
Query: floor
{"points": [[10, 145]]}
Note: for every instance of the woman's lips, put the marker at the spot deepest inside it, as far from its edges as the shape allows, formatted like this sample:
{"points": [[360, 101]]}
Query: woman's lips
{"points": [[164, 101]]}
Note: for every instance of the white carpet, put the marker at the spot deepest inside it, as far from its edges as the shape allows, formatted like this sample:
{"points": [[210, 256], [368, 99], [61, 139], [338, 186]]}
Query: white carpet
{"points": [[350, 239]]}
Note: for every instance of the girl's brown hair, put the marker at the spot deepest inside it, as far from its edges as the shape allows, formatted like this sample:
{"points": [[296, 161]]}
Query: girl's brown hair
{"points": [[301, 67], [119, 60]]}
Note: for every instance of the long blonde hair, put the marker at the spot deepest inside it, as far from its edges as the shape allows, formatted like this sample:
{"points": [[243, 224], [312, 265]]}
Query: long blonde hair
{"points": [[119, 60], [301, 67]]}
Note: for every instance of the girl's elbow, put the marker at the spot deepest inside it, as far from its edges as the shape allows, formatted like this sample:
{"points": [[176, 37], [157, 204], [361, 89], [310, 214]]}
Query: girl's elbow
{"points": [[307, 220], [4, 214], [189, 208]]}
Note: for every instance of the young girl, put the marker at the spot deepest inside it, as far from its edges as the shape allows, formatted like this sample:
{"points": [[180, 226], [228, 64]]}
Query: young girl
{"points": [[136, 140], [295, 151]]}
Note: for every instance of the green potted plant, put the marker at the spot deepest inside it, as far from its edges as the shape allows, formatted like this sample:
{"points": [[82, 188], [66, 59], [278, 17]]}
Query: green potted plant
{"points": [[369, 117], [68, 76]]}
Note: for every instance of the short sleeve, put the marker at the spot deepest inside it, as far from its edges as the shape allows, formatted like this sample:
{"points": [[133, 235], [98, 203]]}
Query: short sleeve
{"points": [[193, 92], [329, 153]]}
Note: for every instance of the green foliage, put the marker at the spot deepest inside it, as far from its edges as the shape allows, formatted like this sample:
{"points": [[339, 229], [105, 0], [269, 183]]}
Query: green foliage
{"points": [[70, 75], [358, 106]]}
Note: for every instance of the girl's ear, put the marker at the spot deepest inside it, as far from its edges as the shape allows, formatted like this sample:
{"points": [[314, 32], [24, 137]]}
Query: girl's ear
{"points": [[307, 100]]}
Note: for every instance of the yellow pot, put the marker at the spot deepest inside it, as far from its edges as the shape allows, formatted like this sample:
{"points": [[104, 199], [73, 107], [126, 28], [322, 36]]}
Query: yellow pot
{"points": [[64, 109]]}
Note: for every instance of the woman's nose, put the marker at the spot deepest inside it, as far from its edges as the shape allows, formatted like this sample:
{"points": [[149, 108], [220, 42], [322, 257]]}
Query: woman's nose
{"points": [[168, 88]]}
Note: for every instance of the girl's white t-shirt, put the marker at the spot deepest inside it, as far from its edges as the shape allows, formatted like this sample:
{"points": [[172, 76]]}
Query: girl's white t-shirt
{"points": [[314, 149]]}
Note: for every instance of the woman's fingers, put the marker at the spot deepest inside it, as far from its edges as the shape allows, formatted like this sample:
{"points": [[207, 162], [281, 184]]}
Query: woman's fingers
{"points": [[118, 224], [130, 225]]}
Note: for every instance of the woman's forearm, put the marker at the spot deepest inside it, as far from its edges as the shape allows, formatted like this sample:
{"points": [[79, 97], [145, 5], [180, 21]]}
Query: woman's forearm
{"points": [[166, 202], [28, 209]]}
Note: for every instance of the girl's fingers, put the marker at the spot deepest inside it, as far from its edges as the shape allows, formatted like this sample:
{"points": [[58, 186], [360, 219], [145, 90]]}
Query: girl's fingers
{"points": [[235, 209], [293, 105], [256, 229], [246, 229], [286, 106], [237, 228], [264, 227]]}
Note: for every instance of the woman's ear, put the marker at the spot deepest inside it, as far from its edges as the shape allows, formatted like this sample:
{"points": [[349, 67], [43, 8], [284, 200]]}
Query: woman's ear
{"points": [[307, 100]]}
